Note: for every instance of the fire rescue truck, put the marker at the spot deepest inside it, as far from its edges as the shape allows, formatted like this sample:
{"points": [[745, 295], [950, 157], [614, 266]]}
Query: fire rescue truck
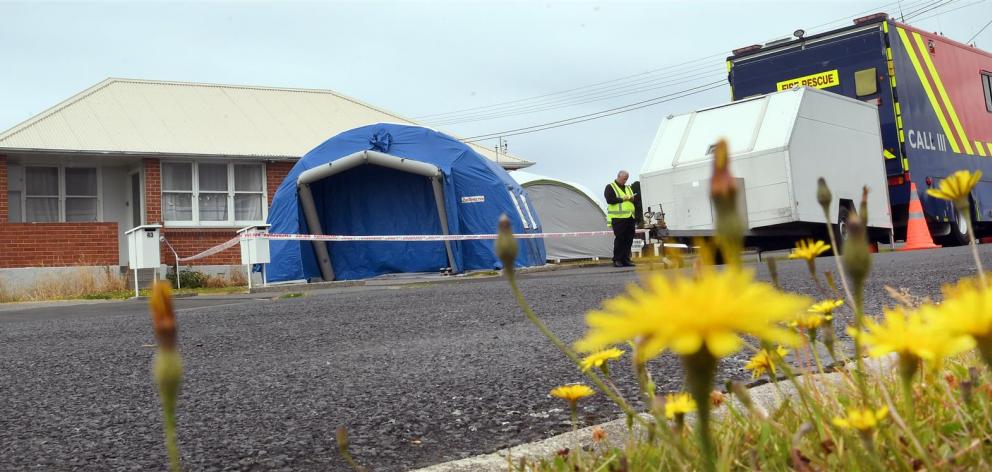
{"points": [[934, 100]]}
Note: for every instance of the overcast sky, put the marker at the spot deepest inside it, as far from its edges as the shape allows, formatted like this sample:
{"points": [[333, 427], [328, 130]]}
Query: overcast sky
{"points": [[424, 58]]}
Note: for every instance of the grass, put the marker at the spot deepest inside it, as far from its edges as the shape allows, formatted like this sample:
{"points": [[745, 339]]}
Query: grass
{"points": [[929, 407], [87, 284]]}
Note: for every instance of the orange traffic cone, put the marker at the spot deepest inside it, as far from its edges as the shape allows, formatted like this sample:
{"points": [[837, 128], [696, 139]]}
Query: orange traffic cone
{"points": [[917, 233]]}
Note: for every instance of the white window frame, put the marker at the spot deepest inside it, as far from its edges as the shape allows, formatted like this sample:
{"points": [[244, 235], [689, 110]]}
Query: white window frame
{"points": [[62, 192], [231, 192]]}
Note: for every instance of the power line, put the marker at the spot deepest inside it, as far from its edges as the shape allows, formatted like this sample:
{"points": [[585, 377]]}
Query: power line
{"points": [[708, 75], [568, 98], [928, 8], [641, 74], [949, 11], [650, 82], [972, 38], [603, 113], [602, 116], [636, 105]]}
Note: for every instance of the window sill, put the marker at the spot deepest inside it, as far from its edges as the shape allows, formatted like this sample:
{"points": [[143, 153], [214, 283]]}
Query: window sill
{"points": [[220, 225]]}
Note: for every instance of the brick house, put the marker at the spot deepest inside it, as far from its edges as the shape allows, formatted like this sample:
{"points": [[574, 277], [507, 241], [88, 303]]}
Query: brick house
{"points": [[200, 159]]}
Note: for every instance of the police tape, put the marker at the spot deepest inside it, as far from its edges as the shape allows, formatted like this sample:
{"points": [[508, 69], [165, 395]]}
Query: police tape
{"points": [[388, 238]]}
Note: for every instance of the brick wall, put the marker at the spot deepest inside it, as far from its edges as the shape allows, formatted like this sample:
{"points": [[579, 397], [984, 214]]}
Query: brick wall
{"points": [[58, 244], [153, 191], [191, 241], [275, 173], [3, 189]]}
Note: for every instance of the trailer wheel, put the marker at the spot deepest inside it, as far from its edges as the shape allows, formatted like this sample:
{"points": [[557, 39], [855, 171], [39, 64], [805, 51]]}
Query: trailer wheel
{"points": [[960, 229], [841, 229]]}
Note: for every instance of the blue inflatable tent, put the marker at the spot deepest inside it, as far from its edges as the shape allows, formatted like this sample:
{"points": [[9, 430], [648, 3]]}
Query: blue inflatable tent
{"points": [[388, 179]]}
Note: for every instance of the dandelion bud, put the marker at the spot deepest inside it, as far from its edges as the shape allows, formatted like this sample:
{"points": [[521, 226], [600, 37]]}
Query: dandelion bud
{"points": [[598, 435], [857, 258], [830, 280], [823, 194], [723, 192], [773, 271], [163, 317], [167, 368], [342, 437], [723, 186], [506, 244], [717, 398], [863, 208]]}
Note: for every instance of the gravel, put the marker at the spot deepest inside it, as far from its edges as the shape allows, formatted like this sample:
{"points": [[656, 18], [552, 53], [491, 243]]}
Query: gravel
{"points": [[419, 374]]}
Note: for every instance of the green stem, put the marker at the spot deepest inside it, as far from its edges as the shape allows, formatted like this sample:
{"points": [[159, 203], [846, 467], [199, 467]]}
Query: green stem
{"points": [[169, 414], [700, 370], [840, 268], [974, 246], [913, 440], [859, 320], [908, 365], [575, 415], [591, 374], [985, 348]]}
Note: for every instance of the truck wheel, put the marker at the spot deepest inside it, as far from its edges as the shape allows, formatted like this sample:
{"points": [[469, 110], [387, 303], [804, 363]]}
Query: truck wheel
{"points": [[841, 230], [959, 231]]}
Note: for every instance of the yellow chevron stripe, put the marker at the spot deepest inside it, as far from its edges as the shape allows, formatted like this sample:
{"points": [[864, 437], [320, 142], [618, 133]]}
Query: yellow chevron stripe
{"points": [[948, 104], [926, 87], [990, 148], [978, 146]]}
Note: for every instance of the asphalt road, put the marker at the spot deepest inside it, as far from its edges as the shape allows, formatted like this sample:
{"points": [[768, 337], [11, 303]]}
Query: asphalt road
{"points": [[420, 374]]}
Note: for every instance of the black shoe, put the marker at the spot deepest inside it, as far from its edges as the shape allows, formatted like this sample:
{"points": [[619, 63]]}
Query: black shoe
{"points": [[628, 264], [618, 264]]}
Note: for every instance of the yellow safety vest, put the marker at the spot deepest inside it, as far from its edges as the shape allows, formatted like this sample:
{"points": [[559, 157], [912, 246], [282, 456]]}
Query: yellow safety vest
{"points": [[624, 209]]}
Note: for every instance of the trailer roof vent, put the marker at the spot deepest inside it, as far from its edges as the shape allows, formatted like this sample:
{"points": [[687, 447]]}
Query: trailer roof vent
{"points": [[873, 18], [746, 49]]}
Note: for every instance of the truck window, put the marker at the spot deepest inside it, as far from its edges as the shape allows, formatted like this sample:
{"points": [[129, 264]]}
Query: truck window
{"points": [[987, 85], [865, 83]]}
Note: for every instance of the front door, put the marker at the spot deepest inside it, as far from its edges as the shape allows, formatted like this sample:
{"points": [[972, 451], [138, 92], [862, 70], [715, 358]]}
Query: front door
{"points": [[135, 199]]}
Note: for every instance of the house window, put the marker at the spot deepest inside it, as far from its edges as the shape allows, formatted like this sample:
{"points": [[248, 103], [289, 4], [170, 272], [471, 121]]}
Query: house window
{"points": [[213, 193], [987, 85], [54, 194]]}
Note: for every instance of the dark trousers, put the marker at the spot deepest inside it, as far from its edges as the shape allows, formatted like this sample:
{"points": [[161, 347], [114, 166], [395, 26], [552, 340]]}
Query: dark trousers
{"points": [[623, 237]]}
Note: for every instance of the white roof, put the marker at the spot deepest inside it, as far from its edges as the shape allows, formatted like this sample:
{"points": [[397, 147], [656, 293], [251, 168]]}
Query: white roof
{"points": [[179, 118], [529, 178], [752, 125]]}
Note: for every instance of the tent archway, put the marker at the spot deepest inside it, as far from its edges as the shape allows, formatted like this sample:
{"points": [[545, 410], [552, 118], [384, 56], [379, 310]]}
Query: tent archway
{"points": [[309, 207]]}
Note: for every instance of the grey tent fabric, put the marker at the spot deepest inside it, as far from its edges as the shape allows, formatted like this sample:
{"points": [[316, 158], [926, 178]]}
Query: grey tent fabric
{"points": [[566, 207]]}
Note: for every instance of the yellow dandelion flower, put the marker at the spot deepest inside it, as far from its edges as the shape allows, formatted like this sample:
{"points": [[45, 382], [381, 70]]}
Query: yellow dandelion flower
{"points": [[809, 249], [810, 321], [911, 334], [863, 420], [763, 362], [572, 393], [957, 186], [967, 309], [826, 307], [678, 404], [598, 359], [685, 315]]}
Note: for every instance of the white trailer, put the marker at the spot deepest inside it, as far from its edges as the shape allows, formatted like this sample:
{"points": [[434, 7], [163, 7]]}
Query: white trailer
{"points": [[779, 145]]}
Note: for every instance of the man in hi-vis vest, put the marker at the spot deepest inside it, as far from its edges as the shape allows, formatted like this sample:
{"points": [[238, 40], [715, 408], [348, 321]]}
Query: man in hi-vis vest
{"points": [[620, 216]]}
